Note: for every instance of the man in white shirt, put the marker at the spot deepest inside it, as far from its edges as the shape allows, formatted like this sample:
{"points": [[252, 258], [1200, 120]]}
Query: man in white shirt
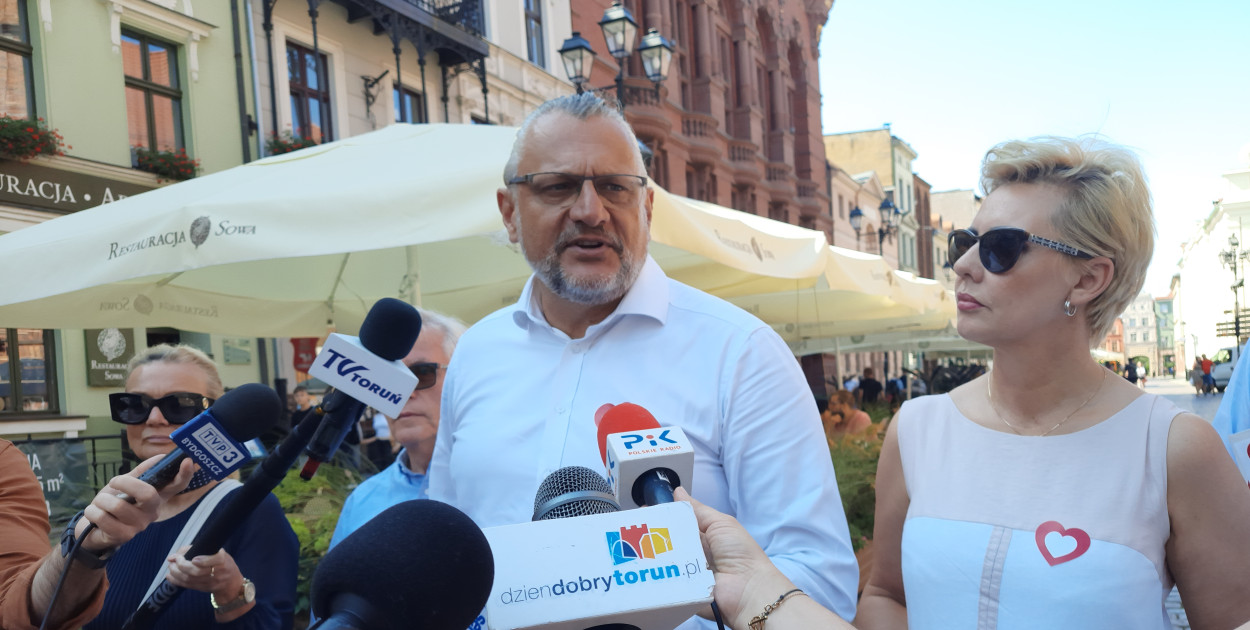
{"points": [[599, 322]]}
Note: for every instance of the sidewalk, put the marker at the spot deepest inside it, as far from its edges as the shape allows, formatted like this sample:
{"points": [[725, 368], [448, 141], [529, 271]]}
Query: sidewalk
{"points": [[1181, 392]]}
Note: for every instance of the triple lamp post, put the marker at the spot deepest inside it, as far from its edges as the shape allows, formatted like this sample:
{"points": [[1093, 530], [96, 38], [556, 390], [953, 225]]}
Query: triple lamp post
{"points": [[619, 30], [890, 218]]}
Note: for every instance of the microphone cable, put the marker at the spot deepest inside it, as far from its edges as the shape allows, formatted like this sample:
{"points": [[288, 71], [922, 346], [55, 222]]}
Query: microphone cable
{"points": [[69, 561], [720, 622]]}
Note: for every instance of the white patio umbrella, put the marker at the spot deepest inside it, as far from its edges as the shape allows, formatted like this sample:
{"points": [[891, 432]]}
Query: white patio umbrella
{"points": [[290, 244]]}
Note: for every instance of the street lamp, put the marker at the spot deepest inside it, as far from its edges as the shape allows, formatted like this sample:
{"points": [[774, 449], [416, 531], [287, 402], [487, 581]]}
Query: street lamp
{"points": [[1230, 257], [619, 30], [890, 218]]}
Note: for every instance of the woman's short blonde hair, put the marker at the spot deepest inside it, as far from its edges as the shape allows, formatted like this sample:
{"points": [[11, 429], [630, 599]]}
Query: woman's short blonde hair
{"points": [[181, 353], [1107, 210]]}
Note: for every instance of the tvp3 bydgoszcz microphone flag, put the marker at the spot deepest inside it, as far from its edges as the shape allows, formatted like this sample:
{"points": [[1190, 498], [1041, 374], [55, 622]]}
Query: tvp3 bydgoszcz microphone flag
{"points": [[214, 439], [641, 568], [645, 461]]}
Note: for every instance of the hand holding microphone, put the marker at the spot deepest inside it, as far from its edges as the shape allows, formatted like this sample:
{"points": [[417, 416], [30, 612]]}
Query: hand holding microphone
{"points": [[126, 506]]}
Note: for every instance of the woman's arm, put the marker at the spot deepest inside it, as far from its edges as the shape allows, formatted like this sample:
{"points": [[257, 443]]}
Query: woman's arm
{"points": [[747, 581], [1208, 552], [883, 604]]}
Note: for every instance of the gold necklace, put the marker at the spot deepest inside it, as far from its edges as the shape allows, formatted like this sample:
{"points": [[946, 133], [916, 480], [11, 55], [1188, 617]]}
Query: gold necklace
{"points": [[989, 395]]}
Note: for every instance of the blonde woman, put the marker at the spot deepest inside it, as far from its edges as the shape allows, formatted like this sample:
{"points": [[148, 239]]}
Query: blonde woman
{"points": [[1047, 494]]}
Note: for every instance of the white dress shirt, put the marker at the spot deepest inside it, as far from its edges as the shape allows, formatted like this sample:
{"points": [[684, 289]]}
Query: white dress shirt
{"points": [[520, 398]]}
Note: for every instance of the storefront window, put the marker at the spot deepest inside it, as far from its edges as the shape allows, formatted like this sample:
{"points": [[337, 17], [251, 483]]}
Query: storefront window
{"points": [[27, 372]]}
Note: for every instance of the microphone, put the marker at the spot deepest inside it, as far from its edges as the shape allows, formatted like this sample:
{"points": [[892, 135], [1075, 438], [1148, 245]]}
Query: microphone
{"points": [[365, 371], [214, 439], [419, 564], [573, 491], [645, 461], [582, 564]]}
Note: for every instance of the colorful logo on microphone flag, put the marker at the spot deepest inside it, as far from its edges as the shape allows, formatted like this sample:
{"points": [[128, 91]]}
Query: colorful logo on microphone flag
{"points": [[638, 541]]}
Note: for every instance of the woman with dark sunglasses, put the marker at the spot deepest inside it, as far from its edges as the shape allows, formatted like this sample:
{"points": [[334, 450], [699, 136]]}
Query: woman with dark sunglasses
{"points": [[1045, 494], [250, 583]]}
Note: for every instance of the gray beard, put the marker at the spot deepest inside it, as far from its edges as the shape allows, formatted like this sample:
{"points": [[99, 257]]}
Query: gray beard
{"points": [[589, 292]]}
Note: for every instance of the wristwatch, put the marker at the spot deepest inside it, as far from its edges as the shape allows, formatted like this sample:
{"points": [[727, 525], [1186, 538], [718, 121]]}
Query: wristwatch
{"points": [[247, 595], [89, 559]]}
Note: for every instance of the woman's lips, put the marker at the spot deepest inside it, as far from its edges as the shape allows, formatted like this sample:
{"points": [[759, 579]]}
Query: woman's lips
{"points": [[965, 302]]}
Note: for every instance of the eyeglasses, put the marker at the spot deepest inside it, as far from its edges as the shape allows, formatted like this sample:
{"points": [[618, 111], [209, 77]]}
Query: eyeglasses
{"points": [[1001, 247], [426, 373], [562, 189], [177, 408]]}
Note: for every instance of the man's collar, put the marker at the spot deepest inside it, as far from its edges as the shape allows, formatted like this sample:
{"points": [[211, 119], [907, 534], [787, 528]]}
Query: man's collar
{"points": [[648, 297]]}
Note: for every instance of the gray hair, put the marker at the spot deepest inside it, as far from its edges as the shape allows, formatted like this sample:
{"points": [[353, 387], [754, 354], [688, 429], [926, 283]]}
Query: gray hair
{"points": [[446, 326], [580, 106]]}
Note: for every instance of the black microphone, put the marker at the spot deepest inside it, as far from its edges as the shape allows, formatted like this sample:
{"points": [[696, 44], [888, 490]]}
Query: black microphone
{"points": [[419, 564], [242, 413], [387, 335], [573, 491]]}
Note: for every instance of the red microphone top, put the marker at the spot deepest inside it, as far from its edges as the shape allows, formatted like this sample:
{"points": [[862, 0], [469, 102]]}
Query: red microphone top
{"points": [[620, 419]]}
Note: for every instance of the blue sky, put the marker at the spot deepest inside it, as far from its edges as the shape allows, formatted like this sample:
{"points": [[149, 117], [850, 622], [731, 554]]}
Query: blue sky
{"points": [[1169, 80]]}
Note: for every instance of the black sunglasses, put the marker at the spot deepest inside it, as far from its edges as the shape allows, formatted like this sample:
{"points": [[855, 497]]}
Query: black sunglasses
{"points": [[177, 408], [426, 373], [1001, 247]]}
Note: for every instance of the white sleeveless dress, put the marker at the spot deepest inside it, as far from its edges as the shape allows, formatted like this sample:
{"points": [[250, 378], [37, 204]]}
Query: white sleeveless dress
{"points": [[1007, 531]]}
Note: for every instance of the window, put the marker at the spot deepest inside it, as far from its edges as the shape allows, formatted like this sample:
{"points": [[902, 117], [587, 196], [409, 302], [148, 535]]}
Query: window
{"points": [[1145, 336], [534, 33], [1132, 321], [153, 93], [409, 106], [1132, 337], [27, 373], [17, 92], [310, 94]]}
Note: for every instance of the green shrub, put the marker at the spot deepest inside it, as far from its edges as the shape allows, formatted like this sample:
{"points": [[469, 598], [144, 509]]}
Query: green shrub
{"points": [[313, 507], [855, 464]]}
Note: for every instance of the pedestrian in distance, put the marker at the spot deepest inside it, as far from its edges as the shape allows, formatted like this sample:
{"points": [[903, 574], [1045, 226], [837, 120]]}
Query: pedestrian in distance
{"points": [[1045, 494]]}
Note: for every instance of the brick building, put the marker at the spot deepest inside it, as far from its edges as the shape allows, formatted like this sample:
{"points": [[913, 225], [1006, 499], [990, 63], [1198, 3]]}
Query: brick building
{"points": [[737, 122]]}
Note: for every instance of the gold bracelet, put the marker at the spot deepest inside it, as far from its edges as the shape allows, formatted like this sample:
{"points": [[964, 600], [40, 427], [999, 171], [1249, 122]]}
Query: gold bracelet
{"points": [[757, 622]]}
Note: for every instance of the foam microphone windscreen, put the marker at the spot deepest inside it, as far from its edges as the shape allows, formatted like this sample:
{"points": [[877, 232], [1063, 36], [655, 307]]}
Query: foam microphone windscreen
{"points": [[621, 418], [419, 564], [247, 411], [573, 491], [390, 329]]}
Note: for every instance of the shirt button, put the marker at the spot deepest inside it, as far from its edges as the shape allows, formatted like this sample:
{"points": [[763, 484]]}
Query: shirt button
{"points": [[560, 410], [576, 349]]}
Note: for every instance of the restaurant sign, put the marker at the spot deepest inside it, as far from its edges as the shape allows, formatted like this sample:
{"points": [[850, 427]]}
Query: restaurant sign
{"points": [[55, 189]]}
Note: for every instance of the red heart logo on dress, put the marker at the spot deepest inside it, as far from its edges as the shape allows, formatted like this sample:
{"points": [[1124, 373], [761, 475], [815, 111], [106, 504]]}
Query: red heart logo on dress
{"points": [[1082, 541]]}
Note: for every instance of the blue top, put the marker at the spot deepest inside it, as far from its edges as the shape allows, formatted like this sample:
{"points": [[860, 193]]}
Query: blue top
{"points": [[264, 547], [394, 485]]}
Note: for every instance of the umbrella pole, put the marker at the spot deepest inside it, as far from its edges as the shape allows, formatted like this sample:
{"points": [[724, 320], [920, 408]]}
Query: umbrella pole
{"points": [[411, 289]]}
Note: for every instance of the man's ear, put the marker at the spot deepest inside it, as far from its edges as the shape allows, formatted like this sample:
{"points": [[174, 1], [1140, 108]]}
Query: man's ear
{"points": [[648, 203], [507, 209], [1096, 276]]}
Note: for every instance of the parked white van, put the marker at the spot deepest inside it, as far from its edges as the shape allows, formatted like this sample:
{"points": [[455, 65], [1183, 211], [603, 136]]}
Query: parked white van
{"points": [[1222, 366]]}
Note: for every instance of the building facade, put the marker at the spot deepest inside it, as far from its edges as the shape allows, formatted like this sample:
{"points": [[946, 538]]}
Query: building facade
{"points": [[737, 122], [120, 81], [1141, 340], [1165, 337], [1209, 285]]}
